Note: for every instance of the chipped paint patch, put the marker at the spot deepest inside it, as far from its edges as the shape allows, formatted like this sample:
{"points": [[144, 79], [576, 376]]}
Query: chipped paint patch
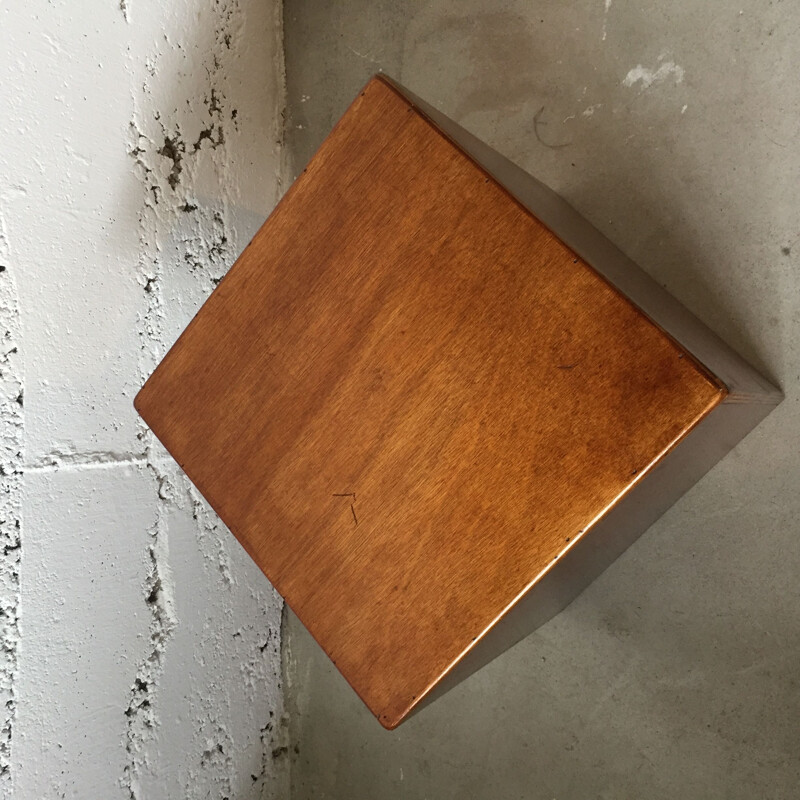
{"points": [[648, 77]]}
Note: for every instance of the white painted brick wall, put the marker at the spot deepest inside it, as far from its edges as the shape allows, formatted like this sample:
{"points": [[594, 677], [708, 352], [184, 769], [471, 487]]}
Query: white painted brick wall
{"points": [[140, 150]]}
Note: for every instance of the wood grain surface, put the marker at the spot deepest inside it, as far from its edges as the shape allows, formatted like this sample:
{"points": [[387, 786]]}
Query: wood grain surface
{"points": [[408, 398]]}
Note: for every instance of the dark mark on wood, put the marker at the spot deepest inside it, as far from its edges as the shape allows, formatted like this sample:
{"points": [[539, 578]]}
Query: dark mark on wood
{"points": [[352, 506]]}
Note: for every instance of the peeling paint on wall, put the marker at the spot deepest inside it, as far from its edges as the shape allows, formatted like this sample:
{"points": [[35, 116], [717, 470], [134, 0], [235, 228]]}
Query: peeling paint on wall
{"points": [[159, 597], [187, 242], [11, 459], [150, 660]]}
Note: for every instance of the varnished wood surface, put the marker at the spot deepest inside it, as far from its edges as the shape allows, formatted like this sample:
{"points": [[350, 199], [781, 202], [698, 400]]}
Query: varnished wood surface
{"points": [[407, 399]]}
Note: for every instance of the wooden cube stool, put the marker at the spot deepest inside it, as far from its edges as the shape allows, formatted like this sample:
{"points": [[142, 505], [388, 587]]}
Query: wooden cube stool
{"points": [[433, 403]]}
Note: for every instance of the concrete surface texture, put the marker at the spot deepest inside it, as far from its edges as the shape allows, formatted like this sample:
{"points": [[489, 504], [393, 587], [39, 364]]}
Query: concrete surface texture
{"points": [[675, 128], [140, 646]]}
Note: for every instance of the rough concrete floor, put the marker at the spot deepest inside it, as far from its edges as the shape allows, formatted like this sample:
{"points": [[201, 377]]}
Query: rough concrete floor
{"points": [[674, 127]]}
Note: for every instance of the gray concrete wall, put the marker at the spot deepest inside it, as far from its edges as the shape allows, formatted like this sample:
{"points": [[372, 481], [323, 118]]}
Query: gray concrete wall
{"points": [[674, 127]]}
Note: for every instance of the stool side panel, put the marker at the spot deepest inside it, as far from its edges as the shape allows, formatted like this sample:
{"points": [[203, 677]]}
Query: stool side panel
{"points": [[597, 250]]}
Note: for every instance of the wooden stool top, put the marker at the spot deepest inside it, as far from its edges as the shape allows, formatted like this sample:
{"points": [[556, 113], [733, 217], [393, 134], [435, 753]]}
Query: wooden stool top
{"points": [[408, 398]]}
